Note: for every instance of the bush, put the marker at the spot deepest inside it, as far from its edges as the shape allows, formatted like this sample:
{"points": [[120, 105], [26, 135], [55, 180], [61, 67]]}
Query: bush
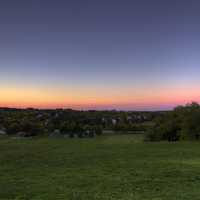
{"points": [[98, 130]]}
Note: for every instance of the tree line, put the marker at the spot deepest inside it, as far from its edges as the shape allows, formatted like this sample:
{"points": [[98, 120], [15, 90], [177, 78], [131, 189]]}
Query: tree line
{"points": [[71, 123], [183, 123]]}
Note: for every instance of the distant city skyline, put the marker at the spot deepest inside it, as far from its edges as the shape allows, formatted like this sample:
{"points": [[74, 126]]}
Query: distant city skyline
{"points": [[108, 54]]}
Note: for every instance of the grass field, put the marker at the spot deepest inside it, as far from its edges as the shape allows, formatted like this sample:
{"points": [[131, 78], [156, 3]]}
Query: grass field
{"points": [[104, 168]]}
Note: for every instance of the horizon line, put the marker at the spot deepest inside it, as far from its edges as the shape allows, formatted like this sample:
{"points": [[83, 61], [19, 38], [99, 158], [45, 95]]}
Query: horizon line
{"points": [[73, 109]]}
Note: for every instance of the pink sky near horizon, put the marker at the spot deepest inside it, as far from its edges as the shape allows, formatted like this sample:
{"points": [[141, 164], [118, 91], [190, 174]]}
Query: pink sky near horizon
{"points": [[128, 99]]}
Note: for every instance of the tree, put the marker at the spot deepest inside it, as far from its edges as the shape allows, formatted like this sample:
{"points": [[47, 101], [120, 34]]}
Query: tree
{"points": [[181, 123]]}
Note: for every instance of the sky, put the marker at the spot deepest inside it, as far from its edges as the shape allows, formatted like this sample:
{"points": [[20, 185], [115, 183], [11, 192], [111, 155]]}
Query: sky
{"points": [[99, 54]]}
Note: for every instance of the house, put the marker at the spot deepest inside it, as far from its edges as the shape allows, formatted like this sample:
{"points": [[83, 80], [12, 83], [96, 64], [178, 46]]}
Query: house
{"points": [[2, 132], [114, 121]]}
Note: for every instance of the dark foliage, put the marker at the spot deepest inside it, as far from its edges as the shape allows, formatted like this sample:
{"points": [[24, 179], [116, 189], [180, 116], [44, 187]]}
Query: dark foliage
{"points": [[183, 123]]}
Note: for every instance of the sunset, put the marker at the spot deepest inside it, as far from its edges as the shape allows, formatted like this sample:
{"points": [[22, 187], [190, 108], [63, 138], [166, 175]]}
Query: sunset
{"points": [[99, 100], [131, 55]]}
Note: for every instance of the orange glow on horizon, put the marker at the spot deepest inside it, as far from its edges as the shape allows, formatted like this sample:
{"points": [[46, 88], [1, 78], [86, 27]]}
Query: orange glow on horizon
{"points": [[78, 99]]}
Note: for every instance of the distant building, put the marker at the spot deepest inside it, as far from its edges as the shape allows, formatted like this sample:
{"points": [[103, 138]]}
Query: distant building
{"points": [[2, 132], [114, 121]]}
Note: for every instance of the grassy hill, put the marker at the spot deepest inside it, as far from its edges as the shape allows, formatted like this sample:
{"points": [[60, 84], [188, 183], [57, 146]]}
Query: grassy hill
{"points": [[105, 168]]}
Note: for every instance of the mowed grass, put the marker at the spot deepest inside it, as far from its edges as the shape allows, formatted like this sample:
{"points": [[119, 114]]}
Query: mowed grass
{"points": [[108, 167]]}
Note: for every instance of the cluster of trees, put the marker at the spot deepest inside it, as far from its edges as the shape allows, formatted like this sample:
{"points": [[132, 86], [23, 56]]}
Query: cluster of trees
{"points": [[80, 130], [183, 123], [27, 124], [33, 122], [132, 127], [30, 122]]}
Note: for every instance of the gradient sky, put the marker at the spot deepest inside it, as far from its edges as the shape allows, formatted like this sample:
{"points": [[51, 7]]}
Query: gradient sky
{"points": [[99, 54]]}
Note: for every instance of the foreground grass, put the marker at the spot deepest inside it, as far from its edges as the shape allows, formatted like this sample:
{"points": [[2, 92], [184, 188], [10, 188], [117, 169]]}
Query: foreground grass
{"points": [[104, 168]]}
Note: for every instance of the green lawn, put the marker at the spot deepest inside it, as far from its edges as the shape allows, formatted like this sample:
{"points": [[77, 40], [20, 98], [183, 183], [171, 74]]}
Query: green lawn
{"points": [[104, 168]]}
